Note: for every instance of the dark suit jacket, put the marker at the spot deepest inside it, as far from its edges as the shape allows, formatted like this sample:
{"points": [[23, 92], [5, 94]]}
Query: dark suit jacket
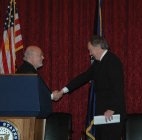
{"points": [[109, 85], [26, 68]]}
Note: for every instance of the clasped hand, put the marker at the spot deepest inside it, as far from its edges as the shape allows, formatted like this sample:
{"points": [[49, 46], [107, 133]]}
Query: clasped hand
{"points": [[56, 95]]}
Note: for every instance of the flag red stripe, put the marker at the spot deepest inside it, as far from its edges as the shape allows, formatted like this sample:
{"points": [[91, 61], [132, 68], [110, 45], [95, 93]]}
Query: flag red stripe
{"points": [[17, 21], [18, 32], [18, 44], [4, 59], [11, 55]]}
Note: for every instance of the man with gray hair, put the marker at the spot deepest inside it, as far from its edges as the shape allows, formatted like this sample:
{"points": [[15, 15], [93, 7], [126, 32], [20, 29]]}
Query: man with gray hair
{"points": [[107, 73]]}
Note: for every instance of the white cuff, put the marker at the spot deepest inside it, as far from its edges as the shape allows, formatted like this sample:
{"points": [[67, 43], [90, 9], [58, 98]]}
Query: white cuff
{"points": [[65, 90], [52, 96]]}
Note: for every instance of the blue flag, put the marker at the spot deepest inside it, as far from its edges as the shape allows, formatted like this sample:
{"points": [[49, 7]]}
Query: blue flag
{"points": [[90, 128], [98, 19]]}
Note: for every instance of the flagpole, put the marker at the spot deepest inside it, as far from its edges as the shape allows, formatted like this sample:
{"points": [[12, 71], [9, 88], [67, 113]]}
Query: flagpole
{"points": [[14, 19], [14, 29], [100, 13], [10, 12]]}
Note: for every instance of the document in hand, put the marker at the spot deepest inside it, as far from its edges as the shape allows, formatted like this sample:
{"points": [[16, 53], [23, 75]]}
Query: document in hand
{"points": [[101, 119]]}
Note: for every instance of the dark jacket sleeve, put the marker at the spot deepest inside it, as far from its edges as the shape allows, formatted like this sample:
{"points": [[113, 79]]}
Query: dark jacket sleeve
{"points": [[82, 79]]}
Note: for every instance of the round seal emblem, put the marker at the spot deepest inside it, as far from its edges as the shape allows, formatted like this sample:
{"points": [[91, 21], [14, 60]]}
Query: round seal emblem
{"points": [[8, 131]]}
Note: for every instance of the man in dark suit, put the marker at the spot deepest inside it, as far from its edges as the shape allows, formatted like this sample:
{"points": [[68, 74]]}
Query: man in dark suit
{"points": [[33, 59], [107, 73]]}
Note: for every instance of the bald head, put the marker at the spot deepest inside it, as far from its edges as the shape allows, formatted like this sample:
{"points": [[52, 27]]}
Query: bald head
{"points": [[34, 55]]}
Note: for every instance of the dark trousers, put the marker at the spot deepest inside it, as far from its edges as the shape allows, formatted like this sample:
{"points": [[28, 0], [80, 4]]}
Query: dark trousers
{"points": [[109, 131]]}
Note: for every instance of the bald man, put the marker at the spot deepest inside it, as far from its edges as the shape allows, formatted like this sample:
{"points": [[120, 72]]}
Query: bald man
{"points": [[33, 59]]}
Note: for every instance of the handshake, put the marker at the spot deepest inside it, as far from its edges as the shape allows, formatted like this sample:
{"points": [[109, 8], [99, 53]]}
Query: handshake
{"points": [[56, 95]]}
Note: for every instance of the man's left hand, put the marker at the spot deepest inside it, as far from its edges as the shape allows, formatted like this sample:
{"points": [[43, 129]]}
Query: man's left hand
{"points": [[108, 115]]}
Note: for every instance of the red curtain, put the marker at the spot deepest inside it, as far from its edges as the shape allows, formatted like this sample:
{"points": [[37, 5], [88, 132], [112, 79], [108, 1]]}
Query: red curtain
{"points": [[122, 25], [63, 27]]}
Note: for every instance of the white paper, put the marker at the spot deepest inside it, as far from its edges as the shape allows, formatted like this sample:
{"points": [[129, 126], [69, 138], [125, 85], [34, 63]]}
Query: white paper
{"points": [[101, 119]]}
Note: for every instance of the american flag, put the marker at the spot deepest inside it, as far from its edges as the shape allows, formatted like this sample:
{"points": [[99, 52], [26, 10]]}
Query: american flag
{"points": [[12, 40]]}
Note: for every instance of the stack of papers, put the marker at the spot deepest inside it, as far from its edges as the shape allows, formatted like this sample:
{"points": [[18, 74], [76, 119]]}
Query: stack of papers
{"points": [[101, 119]]}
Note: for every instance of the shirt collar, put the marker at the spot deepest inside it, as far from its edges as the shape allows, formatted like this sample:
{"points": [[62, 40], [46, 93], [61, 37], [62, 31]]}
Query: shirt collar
{"points": [[103, 54]]}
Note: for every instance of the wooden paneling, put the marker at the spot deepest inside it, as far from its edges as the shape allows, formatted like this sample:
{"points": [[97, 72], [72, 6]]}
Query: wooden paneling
{"points": [[29, 128]]}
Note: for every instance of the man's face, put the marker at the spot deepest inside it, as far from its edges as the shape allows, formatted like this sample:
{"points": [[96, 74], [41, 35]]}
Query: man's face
{"points": [[37, 58], [94, 51]]}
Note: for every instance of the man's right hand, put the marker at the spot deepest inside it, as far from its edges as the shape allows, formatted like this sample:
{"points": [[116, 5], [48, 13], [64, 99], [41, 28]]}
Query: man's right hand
{"points": [[56, 95]]}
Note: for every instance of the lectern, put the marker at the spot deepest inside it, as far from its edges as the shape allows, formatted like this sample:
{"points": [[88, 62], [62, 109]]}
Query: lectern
{"points": [[25, 100]]}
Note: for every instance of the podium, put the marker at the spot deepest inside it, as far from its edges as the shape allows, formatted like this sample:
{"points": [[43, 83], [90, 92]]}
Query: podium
{"points": [[25, 101]]}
